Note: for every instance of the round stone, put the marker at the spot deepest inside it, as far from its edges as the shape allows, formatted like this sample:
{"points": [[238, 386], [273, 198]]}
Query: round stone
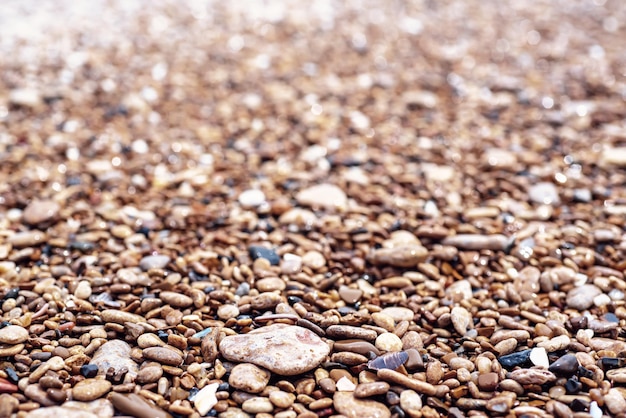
{"points": [[565, 366], [249, 378], [163, 355], [114, 354], [149, 374], [581, 297], [323, 195], [13, 334], [346, 404], [83, 290], [283, 349], [251, 198], [228, 311], [488, 381], [90, 389], [257, 405], [388, 342], [411, 403], [176, 299], [314, 259], [40, 211], [399, 313], [282, 399], [544, 193], [154, 262]]}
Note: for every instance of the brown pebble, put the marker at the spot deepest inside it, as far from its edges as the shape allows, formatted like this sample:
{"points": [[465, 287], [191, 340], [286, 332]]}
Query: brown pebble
{"points": [[356, 346], [163, 355], [350, 332], [90, 389], [136, 406], [364, 390], [488, 381]]}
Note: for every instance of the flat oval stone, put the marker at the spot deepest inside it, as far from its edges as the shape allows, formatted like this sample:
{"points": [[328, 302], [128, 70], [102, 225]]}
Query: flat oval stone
{"points": [[27, 238], [40, 211], [345, 403], [323, 195], [403, 256], [158, 261], [350, 332], [120, 317], [365, 390], [283, 349], [398, 313], [356, 346], [175, 299], [581, 298], [249, 378], [270, 255], [163, 355], [90, 389], [13, 334]]}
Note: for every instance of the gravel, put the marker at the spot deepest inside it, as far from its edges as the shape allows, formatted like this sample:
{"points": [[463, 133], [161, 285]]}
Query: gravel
{"points": [[391, 209]]}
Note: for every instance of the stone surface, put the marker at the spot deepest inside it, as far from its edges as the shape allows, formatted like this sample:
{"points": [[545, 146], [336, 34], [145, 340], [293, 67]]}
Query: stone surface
{"points": [[323, 195], [461, 319], [411, 403], [388, 342], [13, 334], [136, 406], [40, 211], [283, 349], [163, 355], [581, 297], [154, 262], [114, 354], [346, 404], [90, 389], [249, 378], [251, 198]]}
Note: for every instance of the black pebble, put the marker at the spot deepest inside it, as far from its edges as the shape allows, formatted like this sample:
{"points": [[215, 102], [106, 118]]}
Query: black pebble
{"points": [[565, 366], [579, 405], [162, 335], [573, 386], [12, 374], [12, 293], [611, 362], [293, 299], [262, 252], [515, 359], [223, 387], [89, 370]]}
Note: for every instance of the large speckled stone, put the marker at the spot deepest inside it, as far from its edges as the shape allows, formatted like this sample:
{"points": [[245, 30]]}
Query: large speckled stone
{"points": [[115, 354], [346, 404], [283, 349]]}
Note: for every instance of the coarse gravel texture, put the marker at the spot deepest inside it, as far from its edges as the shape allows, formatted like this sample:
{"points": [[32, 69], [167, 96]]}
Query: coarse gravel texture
{"points": [[312, 209]]}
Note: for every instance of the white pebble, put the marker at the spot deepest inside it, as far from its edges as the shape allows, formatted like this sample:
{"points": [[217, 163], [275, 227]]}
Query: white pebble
{"points": [[539, 357], [602, 300], [616, 294], [594, 410], [251, 198], [205, 399], [345, 385]]}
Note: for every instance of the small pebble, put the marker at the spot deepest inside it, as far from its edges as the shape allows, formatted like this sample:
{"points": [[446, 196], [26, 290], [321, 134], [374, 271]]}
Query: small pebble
{"points": [[539, 357], [40, 211], [257, 405], [581, 297], [388, 342], [163, 355], [323, 195], [266, 253], [411, 402], [13, 334], [90, 389], [114, 354], [544, 193], [249, 378], [205, 399], [154, 262], [251, 198], [565, 366], [346, 404]]}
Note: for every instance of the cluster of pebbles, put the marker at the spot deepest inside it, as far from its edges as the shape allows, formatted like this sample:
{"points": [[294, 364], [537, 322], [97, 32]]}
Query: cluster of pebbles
{"points": [[351, 209]]}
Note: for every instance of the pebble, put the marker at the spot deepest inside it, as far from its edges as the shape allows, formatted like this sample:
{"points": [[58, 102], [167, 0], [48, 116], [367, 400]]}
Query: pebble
{"points": [[120, 317], [399, 313], [100, 408], [13, 334], [26, 97], [227, 311], [544, 193], [459, 290], [350, 332], [136, 406], [314, 260], [163, 355], [350, 295], [614, 156], [581, 297], [356, 346], [270, 284], [27, 239], [496, 242], [90, 389], [344, 384], [515, 359], [403, 256], [249, 378], [176, 300], [557, 343], [281, 399], [149, 374], [614, 401], [565, 366], [114, 354], [266, 253], [283, 349], [83, 290], [365, 390], [346, 404], [158, 261], [488, 381], [389, 342], [205, 399], [291, 264], [531, 376], [257, 405], [594, 410], [411, 403], [233, 413], [40, 211], [251, 198], [323, 195], [461, 319], [539, 357]]}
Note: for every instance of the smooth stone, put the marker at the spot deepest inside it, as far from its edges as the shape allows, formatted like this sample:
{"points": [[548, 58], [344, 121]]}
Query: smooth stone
{"points": [[26, 97], [565, 366], [404, 256], [40, 211], [149, 340], [345, 385], [249, 378], [500, 158], [350, 332], [136, 406], [233, 412], [461, 319], [163, 355], [270, 255], [388, 342], [83, 290], [459, 290], [90, 389], [488, 381], [314, 260], [614, 401], [257, 405], [544, 193], [270, 284], [175, 299], [495, 242], [120, 317], [323, 195], [539, 357], [27, 239], [114, 354], [205, 399], [365, 390], [281, 399], [100, 408], [355, 346], [154, 262], [515, 359], [291, 264], [13, 334], [149, 374], [411, 403], [227, 311], [283, 349], [581, 297], [251, 198], [398, 313], [346, 404], [614, 156]]}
